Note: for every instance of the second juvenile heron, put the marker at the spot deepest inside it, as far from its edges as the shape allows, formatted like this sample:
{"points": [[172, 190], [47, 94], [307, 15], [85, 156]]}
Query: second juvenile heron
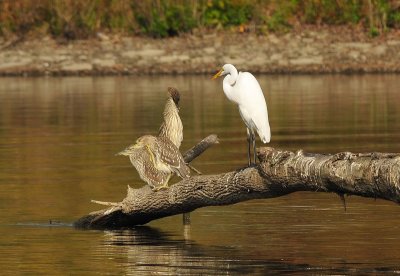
{"points": [[172, 127], [156, 159]]}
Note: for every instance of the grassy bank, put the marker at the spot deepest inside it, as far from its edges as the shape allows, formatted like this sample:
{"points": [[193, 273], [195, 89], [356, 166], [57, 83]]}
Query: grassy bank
{"points": [[73, 19]]}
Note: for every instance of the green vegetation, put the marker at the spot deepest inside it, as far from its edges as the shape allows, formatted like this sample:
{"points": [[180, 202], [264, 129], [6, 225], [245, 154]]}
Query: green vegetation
{"points": [[162, 18]]}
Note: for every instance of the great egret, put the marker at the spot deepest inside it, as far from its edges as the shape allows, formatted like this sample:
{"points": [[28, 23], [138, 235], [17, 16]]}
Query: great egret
{"points": [[243, 89]]}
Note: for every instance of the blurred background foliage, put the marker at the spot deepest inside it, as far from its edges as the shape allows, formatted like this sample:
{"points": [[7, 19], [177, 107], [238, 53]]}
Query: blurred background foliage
{"points": [[74, 19]]}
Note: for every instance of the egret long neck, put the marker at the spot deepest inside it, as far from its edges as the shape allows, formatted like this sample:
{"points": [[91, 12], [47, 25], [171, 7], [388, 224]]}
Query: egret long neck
{"points": [[228, 84]]}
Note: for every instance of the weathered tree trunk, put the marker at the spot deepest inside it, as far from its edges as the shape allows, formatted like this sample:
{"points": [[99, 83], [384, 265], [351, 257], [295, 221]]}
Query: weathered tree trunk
{"points": [[375, 175]]}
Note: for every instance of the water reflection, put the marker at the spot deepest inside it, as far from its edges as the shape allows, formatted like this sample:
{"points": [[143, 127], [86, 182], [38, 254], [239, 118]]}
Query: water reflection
{"points": [[58, 137], [148, 250]]}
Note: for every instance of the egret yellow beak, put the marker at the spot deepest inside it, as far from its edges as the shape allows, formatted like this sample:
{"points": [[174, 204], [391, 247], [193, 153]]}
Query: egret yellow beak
{"points": [[217, 74]]}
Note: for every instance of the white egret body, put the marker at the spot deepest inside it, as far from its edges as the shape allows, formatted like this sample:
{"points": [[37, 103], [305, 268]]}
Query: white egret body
{"points": [[243, 89]]}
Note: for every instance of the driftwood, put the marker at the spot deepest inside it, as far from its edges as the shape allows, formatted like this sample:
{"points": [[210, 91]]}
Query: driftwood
{"points": [[280, 172]]}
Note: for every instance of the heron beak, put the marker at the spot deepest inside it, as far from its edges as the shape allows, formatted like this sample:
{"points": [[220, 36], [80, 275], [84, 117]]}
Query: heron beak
{"points": [[218, 74], [126, 151], [121, 153], [136, 146]]}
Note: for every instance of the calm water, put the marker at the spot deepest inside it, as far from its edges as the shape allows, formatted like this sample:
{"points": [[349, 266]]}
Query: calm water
{"points": [[58, 137]]}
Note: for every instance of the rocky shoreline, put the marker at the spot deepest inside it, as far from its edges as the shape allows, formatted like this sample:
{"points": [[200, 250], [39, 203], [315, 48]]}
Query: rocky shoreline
{"points": [[306, 50]]}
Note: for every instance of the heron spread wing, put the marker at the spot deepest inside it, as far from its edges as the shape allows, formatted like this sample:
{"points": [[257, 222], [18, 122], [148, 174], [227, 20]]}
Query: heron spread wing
{"points": [[172, 127], [170, 155], [141, 160]]}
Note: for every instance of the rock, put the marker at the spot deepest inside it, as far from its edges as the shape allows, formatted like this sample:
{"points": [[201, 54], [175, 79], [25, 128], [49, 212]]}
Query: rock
{"points": [[273, 39], [379, 50], [104, 62], [151, 52], [183, 57], [306, 60], [393, 42], [167, 59], [363, 46], [203, 60], [143, 53], [258, 61], [130, 54], [173, 58], [209, 50], [354, 54], [102, 36], [276, 57], [22, 62], [77, 67], [307, 40], [236, 60]]}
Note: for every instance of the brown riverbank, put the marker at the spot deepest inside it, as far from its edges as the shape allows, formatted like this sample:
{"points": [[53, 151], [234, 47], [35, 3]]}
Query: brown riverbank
{"points": [[306, 50]]}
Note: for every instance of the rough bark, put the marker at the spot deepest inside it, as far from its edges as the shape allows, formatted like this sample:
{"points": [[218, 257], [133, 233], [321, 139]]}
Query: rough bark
{"points": [[375, 175]]}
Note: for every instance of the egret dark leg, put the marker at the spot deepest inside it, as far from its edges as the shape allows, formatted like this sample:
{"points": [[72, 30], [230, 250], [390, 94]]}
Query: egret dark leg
{"points": [[253, 136], [249, 136]]}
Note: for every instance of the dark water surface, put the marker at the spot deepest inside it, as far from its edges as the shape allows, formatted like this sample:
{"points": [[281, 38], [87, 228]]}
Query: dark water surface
{"points": [[58, 137]]}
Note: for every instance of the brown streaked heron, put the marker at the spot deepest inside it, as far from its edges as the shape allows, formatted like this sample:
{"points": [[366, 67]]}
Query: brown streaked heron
{"points": [[156, 159], [172, 127]]}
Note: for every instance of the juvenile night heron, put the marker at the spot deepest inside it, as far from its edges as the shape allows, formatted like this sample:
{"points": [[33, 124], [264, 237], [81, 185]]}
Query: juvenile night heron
{"points": [[156, 159], [172, 127]]}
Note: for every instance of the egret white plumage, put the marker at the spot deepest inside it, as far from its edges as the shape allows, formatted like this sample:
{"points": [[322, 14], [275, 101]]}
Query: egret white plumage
{"points": [[243, 89]]}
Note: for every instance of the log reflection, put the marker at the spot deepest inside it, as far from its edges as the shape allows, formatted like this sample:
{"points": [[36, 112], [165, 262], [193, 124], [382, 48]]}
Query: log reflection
{"points": [[148, 249]]}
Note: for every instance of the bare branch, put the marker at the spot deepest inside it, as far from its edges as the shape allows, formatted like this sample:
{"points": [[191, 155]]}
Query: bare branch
{"points": [[106, 203], [200, 147]]}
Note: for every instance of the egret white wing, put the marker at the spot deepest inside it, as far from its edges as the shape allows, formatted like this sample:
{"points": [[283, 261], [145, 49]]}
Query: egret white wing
{"points": [[252, 104]]}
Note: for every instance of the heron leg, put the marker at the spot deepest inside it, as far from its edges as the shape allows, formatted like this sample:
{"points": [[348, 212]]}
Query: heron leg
{"points": [[249, 146], [164, 185], [194, 169]]}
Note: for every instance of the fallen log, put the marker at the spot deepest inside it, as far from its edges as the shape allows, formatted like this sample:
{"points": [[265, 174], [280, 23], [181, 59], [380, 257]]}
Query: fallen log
{"points": [[280, 172]]}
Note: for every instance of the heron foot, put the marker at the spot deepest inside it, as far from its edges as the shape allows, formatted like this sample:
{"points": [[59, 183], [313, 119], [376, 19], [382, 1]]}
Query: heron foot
{"points": [[194, 169], [165, 186]]}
